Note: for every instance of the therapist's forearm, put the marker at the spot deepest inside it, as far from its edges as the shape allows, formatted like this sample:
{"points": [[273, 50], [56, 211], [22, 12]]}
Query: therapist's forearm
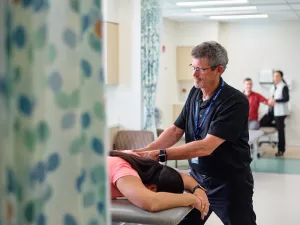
{"points": [[167, 139], [189, 151]]}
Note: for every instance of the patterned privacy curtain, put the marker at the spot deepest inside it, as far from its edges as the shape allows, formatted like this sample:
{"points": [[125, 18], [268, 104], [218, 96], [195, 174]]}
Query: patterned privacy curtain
{"points": [[52, 164], [150, 52]]}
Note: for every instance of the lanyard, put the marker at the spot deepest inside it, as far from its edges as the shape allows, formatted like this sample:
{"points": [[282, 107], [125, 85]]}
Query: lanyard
{"points": [[211, 102]]}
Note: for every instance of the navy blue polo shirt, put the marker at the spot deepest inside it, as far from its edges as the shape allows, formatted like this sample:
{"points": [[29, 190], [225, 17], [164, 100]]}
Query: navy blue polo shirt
{"points": [[226, 119]]}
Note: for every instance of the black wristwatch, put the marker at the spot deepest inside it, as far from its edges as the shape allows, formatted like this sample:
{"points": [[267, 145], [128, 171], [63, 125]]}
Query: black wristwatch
{"points": [[162, 155], [198, 186]]}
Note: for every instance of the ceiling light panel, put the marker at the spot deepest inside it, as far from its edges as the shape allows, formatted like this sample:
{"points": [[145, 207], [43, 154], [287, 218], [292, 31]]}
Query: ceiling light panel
{"points": [[254, 16], [270, 8], [212, 3], [220, 9]]}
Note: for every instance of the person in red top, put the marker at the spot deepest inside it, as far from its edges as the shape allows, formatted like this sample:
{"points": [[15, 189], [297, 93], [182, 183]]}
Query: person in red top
{"points": [[254, 100]]}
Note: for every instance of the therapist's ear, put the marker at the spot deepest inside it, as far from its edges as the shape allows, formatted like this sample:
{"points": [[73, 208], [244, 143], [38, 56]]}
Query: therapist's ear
{"points": [[220, 69]]}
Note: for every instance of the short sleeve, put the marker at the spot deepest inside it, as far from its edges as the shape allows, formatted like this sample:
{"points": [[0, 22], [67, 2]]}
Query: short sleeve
{"points": [[230, 121], [120, 169], [182, 118], [262, 98]]}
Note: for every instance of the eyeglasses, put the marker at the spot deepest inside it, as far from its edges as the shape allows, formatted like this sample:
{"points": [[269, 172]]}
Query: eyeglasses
{"points": [[201, 70]]}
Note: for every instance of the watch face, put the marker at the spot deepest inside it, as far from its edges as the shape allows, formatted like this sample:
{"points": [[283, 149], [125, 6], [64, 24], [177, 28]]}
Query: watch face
{"points": [[162, 158], [162, 155]]}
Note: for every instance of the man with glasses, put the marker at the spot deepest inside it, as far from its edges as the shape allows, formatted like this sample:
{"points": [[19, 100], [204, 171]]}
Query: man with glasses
{"points": [[215, 122]]}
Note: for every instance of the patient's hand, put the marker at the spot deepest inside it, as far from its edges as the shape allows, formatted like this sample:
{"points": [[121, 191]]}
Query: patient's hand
{"points": [[201, 195]]}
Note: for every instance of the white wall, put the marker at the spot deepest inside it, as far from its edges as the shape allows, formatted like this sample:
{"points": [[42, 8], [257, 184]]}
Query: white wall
{"points": [[123, 105], [178, 34], [167, 83], [110, 10], [191, 34], [251, 47]]}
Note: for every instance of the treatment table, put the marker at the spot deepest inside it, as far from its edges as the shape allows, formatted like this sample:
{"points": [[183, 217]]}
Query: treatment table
{"points": [[123, 211]]}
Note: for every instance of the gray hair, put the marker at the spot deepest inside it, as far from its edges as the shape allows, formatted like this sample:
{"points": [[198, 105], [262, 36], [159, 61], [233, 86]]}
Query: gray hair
{"points": [[216, 53]]}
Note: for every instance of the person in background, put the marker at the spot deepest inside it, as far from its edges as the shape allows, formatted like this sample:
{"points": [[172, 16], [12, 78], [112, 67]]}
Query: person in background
{"points": [[152, 186], [280, 98], [254, 100]]}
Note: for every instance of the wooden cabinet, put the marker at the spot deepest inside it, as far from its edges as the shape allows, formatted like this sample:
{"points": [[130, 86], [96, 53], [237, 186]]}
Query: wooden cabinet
{"points": [[183, 60], [111, 55]]}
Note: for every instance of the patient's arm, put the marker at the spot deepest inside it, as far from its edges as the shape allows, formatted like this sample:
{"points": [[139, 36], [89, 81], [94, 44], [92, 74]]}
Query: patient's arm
{"points": [[189, 184], [135, 191], [168, 138]]}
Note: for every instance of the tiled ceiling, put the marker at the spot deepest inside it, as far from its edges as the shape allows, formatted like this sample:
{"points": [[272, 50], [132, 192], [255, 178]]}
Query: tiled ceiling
{"points": [[277, 10]]}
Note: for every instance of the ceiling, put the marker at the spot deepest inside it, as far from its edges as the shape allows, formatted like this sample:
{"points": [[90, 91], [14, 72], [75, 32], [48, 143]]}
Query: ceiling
{"points": [[277, 10]]}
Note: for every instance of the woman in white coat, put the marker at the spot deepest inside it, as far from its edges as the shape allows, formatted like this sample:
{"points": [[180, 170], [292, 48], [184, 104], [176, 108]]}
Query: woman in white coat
{"points": [[280, 98]]}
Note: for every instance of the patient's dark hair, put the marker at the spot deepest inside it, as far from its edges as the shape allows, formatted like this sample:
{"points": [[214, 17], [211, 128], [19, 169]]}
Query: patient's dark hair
{"points": [[150, 171]]}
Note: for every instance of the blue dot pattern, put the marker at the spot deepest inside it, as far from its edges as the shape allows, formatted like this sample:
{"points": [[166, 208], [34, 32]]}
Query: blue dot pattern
{"points": [[85, 23], [19, 36], [26, 3], [11, 181], [50, 85], [96, 175], [38, 173], [39, 5], [86, 68], [101, 76], [69, 220], [25, 105], [93, 15], [48, 193], [85, 120], [53, 162], [100, 207], [80, 180], [97, 146], [3, 86], [41, 220], [68, 121], [88, 199], [69, 38], [55, 81]]}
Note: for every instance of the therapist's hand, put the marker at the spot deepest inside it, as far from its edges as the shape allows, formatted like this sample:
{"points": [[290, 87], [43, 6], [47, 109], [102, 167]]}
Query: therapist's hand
{"points": [[142, 150], [204, 202], [148, 154]]}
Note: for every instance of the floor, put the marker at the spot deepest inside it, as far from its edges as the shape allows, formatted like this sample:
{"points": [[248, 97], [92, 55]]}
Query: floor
{"points": [[276, 200], [292, 152]]}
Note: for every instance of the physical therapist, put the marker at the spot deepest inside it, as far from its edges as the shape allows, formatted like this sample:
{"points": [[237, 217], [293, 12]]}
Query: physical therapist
{"points": [[215, 122]]}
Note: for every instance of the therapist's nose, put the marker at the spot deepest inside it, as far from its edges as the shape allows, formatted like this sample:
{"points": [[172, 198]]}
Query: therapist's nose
{"points": [[196, 73]]}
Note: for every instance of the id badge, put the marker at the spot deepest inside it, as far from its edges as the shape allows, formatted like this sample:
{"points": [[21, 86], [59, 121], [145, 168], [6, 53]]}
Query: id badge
{"points": [[195, 160]]}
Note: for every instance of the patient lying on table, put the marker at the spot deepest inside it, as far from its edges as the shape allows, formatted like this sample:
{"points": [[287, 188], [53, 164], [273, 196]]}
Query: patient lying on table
{"points": [[152, 186]]}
